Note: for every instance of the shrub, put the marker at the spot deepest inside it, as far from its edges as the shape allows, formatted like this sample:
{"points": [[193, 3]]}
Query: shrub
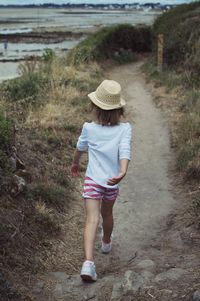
{"points": [[181, 29], [107, 41], [5, 131], [6, 136], [26, 88], [48, 55], [53, 195]]}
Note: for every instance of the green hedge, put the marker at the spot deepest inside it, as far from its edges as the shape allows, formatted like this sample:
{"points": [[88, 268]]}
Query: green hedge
{"points": [[181, 29], [111, 42], [6, 135]]}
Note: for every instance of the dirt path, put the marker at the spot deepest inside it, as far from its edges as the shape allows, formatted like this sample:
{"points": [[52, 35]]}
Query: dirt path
{"points": [[143, 260]]}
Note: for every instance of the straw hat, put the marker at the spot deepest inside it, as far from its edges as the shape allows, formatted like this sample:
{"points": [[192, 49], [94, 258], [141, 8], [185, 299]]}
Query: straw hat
{"points": [[108, 95]]}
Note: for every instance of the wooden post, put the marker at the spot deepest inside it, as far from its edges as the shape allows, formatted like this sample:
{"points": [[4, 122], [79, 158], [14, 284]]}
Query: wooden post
{"points": [[160, 52]]}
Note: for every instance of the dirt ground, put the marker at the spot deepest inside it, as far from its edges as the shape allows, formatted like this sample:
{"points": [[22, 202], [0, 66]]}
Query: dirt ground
{"points": [[147, 218]]}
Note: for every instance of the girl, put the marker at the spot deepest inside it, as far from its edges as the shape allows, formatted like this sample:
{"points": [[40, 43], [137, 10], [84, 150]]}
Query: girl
{"points": [[108, 142]]}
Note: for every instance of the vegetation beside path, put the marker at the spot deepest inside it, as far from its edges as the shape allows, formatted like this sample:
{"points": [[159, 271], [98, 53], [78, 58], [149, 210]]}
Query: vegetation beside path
{"points": [[41, 114], [180, 76]]}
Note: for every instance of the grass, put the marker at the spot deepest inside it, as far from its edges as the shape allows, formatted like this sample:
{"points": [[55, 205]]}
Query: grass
{"points": [[186, 113], [40, 224]]}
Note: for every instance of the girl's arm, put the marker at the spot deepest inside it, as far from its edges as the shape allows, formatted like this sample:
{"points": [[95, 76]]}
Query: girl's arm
{"points": [[123, 169], [75, 168], [82, 146], [124, 155]]}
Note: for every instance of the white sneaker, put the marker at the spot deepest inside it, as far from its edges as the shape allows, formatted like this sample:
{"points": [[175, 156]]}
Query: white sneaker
{"points": [[106, 248], [88, 271]]}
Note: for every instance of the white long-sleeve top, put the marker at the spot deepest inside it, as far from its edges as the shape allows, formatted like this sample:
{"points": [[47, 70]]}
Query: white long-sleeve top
{"points": [[106, 146]]}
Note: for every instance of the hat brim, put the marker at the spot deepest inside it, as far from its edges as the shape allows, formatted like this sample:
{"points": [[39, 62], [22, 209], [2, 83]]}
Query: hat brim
{"points": [[104, 106]]}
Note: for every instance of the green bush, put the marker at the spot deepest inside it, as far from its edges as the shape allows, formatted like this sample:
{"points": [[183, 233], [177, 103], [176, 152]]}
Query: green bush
{"points": [[5, 131], [48, 55], [6, 135], [26, 88], [107, 41], [54, 196], [181, 29]]}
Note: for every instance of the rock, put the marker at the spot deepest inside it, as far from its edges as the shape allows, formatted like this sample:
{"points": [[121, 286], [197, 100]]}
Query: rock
{"points": [[172, 274], [17, 185], [60, 275], [147, 276], [117, 291], [58, 291], [166, 294], [196, 296], [147, 264], [13, 163], [175, 240], [132, 282], [127, 286], [38, 287]]}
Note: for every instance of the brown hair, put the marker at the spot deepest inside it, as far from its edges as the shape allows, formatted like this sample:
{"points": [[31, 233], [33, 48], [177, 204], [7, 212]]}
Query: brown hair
{"points": [[107, 117]]}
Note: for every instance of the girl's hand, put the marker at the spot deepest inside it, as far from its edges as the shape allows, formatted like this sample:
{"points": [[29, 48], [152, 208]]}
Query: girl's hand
{"points": [[116, 179], [75, 169]]}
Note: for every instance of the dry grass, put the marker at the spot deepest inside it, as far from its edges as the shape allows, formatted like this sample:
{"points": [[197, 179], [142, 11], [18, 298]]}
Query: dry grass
{"points": [[42, 228], [181, 105]]}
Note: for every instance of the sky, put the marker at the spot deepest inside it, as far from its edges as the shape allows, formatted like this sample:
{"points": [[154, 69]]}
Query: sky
{"points": [[7, 2]]}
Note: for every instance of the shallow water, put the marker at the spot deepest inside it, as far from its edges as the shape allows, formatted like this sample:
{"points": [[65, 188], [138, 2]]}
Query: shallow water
{"points": [[40, 19], [26, 19], [8, 70], [20, 50]]}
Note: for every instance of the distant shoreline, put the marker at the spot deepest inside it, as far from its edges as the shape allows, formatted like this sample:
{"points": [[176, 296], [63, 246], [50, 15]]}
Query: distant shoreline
{"points": [[157, 6]]}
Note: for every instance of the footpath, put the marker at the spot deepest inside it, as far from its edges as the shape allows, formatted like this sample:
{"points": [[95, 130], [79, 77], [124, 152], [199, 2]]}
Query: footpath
{"points": [[152, 257]]}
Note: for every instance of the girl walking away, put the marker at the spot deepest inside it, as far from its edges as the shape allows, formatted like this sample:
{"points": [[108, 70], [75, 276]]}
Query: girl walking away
{"points": [[108, 142]]}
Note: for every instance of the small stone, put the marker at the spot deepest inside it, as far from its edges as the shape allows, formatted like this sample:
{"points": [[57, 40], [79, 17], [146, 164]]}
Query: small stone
{"points": [[166, 294], [196, 295], [38, 287], [60, 275], [146, 265], [132, 282], [117, 291], [147, 276], [172, 274], [58, 291]]}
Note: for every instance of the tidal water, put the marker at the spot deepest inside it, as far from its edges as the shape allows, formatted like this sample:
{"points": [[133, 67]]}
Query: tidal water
{"points": [[13, 21]]}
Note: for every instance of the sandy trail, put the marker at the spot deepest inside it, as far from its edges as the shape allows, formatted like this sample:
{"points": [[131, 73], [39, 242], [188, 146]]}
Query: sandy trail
{"points": [[145, 202], [146, 197]]}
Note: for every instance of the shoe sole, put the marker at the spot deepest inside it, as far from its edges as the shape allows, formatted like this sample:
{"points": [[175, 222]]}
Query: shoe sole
{"points": [[87, 278], [103, 252]]}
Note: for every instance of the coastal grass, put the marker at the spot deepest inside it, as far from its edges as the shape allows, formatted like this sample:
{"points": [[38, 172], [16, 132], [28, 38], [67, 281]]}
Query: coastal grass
{"points": [[119, 43], [181, 29], [185, 116], [39, 225], [180, 77]]}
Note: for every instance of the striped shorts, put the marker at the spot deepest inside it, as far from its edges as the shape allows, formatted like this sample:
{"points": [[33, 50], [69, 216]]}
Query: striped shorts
{"points": [[92, 190]]}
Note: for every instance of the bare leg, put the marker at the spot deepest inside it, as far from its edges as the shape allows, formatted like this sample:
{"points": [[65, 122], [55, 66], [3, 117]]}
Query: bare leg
{"points": [[92, 219], [107, 215]]}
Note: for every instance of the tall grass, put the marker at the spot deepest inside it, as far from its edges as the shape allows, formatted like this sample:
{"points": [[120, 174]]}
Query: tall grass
{"points": [[52, 98]]}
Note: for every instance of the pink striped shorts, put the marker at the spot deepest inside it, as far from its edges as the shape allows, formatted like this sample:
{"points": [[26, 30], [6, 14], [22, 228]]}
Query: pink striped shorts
{"points": [[92, 190]]}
